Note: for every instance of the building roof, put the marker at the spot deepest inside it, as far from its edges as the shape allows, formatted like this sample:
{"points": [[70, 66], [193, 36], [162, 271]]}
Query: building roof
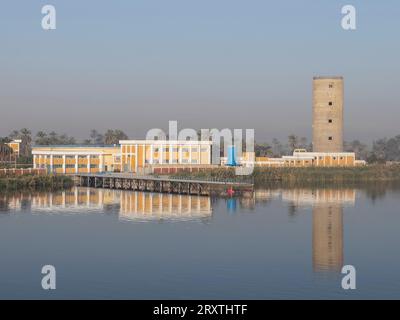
{"points": [[328, 77], [166, 142], [86, 146]]}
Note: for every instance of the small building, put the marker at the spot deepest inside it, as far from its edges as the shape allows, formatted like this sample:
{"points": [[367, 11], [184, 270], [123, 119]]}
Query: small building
{"points": [[77, 158], [15, 145], [302, 158], [136, 155]]}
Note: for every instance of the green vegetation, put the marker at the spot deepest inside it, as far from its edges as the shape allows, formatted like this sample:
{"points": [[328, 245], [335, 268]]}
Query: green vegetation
{"points": [[307, 176], [31, 182]]}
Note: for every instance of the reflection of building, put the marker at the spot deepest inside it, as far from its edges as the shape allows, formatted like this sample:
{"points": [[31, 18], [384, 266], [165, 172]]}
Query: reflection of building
{"points": [[327, 243], [327, 237], [319, 196], [77, 199], [143, 205], [128, 204]]}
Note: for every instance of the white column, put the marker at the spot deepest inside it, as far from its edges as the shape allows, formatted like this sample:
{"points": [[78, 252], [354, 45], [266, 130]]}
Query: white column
{"points": [[199, 154], [180, 154], [34, 161], [101, 163], [151, 153], [144, 155], [136, 158], [76, 163], [51, 163], [190, 154], [63, 164], [88, 163], [161, 153], [171, 154]]}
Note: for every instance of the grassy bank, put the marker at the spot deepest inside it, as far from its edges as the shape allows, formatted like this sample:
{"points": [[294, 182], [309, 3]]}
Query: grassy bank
{"points": [[35, 182], [309, 176]]}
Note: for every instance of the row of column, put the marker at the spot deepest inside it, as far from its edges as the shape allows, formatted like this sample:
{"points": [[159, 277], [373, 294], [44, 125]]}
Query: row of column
{"points": [[171, 147], [51, 164]]}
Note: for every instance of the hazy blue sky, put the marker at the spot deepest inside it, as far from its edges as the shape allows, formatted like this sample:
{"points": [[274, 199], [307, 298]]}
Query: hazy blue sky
{"points": [[136, 64]]}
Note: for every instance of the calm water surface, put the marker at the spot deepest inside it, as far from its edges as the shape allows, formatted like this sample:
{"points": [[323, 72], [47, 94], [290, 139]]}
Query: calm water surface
{"points": [[278, 244]]}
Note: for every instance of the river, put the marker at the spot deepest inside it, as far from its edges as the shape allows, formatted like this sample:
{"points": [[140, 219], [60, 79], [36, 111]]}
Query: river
{"points": [[280, 243]]}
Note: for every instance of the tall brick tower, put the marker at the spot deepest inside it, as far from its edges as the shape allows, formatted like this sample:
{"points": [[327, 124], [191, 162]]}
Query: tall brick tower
{"points": [[328, 114]]}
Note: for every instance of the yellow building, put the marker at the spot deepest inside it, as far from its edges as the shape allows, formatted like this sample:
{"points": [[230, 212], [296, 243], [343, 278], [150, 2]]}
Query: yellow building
{"points": [[15, 145], [130, 156], [139, 154], [302, 158], [77, 159]]}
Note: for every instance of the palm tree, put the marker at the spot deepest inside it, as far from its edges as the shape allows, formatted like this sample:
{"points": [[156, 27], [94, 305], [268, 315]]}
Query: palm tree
{"points": [[41, 138]]}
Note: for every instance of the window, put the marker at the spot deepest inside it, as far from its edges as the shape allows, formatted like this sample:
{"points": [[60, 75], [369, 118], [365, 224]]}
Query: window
{"points": [[92, 166], [330, 138], [334, 158], [330, 85], [330, 103], [194, 161], [204, 149], [330, 120], [70, 166], [82, 166]]}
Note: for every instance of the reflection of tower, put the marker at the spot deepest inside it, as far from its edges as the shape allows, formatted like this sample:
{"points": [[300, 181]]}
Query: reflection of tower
{"points": [[328, 237]]}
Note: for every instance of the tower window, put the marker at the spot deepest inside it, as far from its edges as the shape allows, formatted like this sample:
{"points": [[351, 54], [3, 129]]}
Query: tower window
{"points": [[330, 120], [330, 138], [330, 85], [330, 103]]}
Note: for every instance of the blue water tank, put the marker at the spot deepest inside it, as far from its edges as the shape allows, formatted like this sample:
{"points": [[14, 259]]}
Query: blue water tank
{"points": [[231, 156]]}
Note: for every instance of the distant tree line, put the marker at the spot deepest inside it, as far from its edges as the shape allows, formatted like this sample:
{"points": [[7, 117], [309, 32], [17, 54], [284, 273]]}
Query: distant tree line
{"points": [[381, 150]]}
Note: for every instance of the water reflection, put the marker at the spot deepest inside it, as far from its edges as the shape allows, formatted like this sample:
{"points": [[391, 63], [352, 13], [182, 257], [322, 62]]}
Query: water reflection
{"points": [[129, 204], [327, 222], [327, 207]]}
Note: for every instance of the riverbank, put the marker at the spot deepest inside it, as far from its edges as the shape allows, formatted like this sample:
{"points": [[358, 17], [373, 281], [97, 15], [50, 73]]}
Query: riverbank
{"points": [[307, 176], [34, 182]]}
